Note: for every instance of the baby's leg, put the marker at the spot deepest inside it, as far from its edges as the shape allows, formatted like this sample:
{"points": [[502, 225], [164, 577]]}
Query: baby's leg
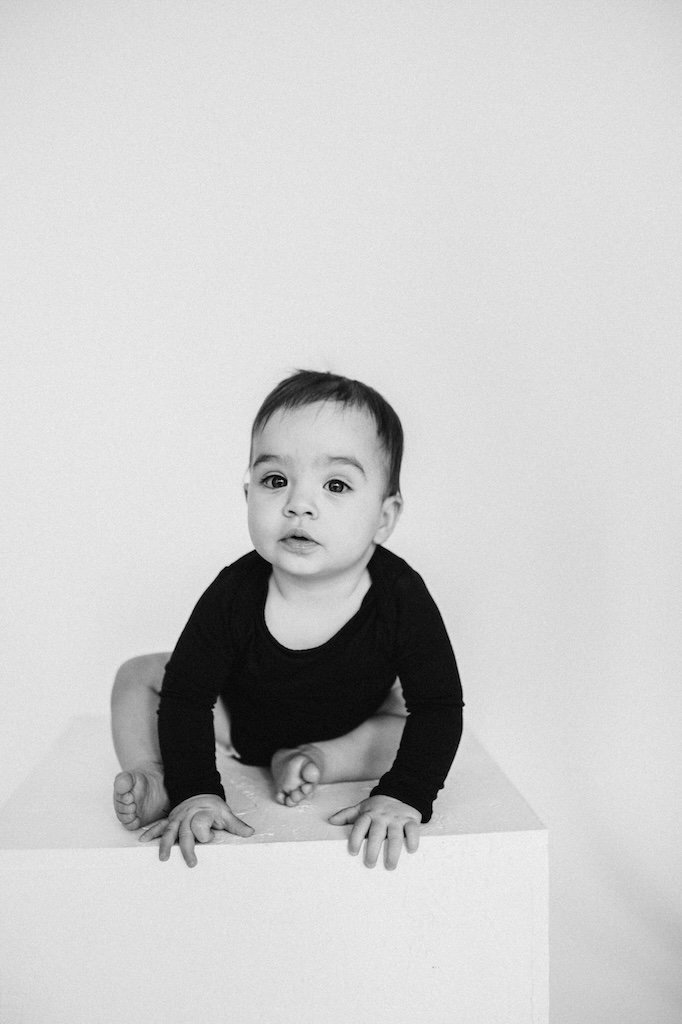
{"points": [[139, 793], [365, 753]]}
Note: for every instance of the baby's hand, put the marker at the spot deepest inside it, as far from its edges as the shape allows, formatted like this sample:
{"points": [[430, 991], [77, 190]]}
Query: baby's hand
{"points": [[380, 819], [192, 820]]}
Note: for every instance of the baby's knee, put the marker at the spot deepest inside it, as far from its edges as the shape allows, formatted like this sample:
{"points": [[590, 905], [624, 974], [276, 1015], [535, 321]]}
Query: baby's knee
{"points": [[145, 670]]}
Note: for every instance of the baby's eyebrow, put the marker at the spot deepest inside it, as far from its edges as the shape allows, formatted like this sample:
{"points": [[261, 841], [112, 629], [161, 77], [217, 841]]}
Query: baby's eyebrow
{"points": [[327, 460], [266, 458], [347, 459]]}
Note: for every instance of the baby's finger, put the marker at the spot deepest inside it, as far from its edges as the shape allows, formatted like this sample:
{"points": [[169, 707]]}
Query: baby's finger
{"points": [[375, 838], [358, 833], [154, 830], [186, 842], [346, 816], [200, 826], [168, 838], [393, 847], [412, 836], [231, 823]]}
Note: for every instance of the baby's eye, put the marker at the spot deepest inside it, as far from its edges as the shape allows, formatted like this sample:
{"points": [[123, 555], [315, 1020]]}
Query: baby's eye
{"points": [[274, 481], [337, 486]]}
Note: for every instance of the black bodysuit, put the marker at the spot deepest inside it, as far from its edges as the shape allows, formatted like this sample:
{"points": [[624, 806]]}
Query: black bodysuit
{"points": [[279, 698]]}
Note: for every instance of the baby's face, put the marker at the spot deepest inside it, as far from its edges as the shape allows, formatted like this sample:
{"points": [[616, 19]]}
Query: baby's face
{"points": [[316, 505]]}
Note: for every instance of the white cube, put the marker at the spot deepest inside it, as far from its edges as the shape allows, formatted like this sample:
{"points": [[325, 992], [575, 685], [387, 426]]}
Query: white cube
{"points": [[282, 928]]}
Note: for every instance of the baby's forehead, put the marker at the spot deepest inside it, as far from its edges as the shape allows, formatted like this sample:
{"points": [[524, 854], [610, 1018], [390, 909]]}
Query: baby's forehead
{"points": [[322, 417], [320, 425]]}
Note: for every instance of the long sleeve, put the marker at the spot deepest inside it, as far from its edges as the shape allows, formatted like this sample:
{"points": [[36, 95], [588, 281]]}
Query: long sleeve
{"points": [[194, 677], [431, 686]]}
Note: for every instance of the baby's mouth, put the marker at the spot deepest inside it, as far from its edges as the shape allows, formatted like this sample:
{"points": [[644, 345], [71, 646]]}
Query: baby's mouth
{"points": [[298, 540]]}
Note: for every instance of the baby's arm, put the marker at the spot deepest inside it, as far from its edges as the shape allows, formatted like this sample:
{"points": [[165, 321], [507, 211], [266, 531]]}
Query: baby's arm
{"points": [[381, 820], [192, 681], [426, 666], [428, 674], [194, 819]]}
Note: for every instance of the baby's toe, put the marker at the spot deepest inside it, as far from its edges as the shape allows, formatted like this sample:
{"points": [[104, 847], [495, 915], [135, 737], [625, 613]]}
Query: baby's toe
{"points": [[296, 775], [123, 785], [127, 815], [290, 773], [310, 773]]}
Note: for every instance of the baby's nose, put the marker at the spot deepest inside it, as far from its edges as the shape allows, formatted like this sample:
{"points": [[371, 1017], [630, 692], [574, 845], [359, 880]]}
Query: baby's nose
{"points": [[300, 503]]}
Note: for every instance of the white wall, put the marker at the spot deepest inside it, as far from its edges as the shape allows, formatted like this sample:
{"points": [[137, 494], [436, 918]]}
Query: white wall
{"points": [[476, 209]]}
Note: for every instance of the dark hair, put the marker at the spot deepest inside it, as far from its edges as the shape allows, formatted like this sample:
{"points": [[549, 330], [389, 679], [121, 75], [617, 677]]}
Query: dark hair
{"points": [[305, 387]]}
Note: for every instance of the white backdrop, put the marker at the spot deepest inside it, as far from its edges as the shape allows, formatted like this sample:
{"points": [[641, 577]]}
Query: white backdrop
{"points": [[476, 209]]}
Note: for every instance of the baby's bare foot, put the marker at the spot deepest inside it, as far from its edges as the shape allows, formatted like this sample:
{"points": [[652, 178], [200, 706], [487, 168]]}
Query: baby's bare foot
{"points": [[296, 773], [140, 797]]}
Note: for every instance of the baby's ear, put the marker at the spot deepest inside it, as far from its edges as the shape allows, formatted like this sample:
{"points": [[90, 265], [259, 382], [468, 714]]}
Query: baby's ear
{"points": [[245, 483], [390, 514]]}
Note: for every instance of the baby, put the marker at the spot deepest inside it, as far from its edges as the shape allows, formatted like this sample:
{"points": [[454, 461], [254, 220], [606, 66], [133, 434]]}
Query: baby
{"points": [[320, 654]]}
